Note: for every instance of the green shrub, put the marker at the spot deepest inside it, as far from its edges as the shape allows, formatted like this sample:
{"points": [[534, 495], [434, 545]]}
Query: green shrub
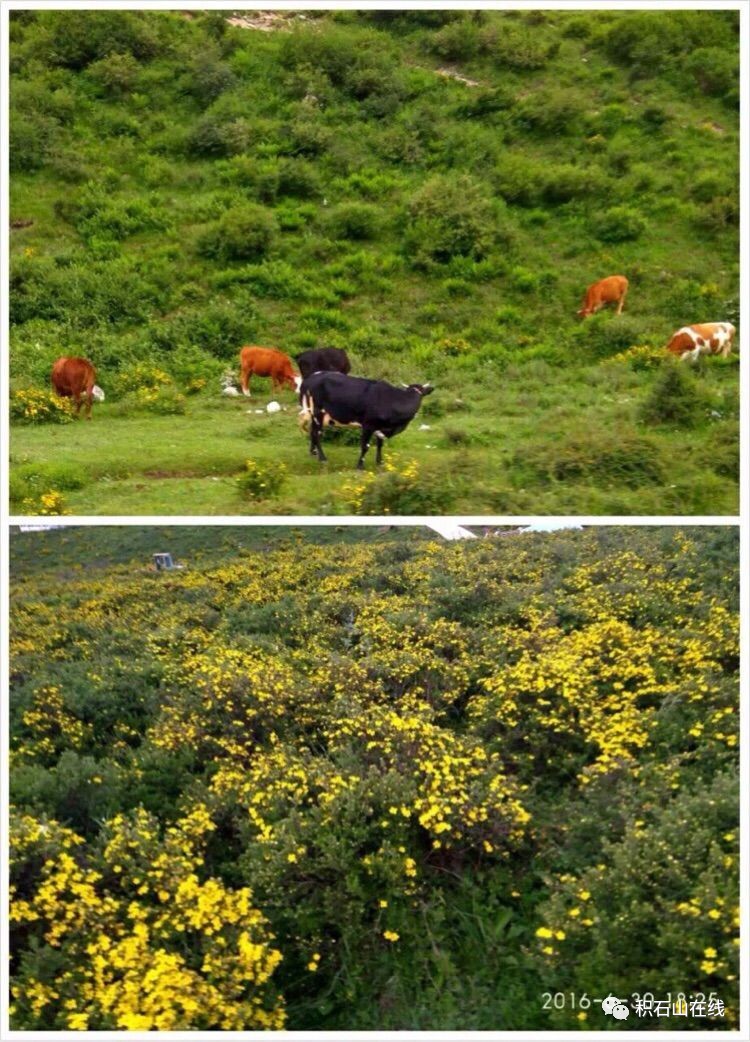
{"points": [[548, 111], [297, 177], [604, 457], [456, 41], [134, 378], [208, 77], [604, 335], [716, 71], [77, 41], [32, 136], [618, 224], [115, 75], [398, 489], [244, 232], [676, 399], [722, 212], [658, 870], [213, 136], [164, 401], [516, 47], [354, 221], [261, 480], [448, 217]]}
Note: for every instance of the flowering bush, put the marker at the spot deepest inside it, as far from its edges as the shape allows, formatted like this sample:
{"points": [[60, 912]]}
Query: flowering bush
{"points": [[641, 356], [261, 480], [279, 781], [31, 405], [47, 503], [139, 377], [396, 489]]}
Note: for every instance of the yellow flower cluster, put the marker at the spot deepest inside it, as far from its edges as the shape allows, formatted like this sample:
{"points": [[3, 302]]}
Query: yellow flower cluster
{"points": [[33, 405], [150, 948]]}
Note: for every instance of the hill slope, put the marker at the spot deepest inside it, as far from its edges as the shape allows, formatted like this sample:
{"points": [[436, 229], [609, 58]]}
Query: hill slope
{"points": [[431, 191]]}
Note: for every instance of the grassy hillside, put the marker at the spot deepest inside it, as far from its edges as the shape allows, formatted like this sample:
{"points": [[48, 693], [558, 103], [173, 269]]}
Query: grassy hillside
{"points": [[372, 783], [432, 192]]}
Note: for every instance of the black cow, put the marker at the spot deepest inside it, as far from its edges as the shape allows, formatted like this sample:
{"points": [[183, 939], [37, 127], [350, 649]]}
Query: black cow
{"points": [[323, 359], [377, 407]]}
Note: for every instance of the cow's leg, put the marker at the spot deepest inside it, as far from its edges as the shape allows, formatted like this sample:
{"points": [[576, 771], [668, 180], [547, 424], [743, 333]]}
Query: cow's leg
{"points": [[379, 452], [316, 435], [364, 445], [244, 382], [621, 303], [76, 404]]}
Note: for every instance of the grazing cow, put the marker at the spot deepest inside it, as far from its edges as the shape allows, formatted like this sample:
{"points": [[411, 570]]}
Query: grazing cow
{"points": [[76, 378], [323, 360], [266, 361], [611, 290], [711, 338], [377, 407]]}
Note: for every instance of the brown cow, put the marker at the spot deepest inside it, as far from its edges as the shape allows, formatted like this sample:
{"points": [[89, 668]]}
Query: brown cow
{"points": [[611, 290], [710, 338], [76, 378], [266, 361]]}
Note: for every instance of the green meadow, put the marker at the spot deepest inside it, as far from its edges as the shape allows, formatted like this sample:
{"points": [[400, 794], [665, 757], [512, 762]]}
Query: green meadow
{"points": [[433, 192]]}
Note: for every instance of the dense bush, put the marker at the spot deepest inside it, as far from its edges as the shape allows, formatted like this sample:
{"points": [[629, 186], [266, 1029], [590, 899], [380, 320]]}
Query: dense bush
{"points": [[242, 233], [619, 224], [622, 456], [354, 221], [448, 217], [116, 75], [75, 41], [261, 480], [676, 398]]}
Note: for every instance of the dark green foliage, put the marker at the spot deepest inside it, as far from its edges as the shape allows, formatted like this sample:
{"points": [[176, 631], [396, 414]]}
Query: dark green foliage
{"points": [[243, 233], [115, 75], [603, 335], [457, 41], [214, 135], [517, 47], [448, 217], [77, 41], [619, 224], [623, 456], [676, 398], [548, 111], [354, 221], [208, 77]]}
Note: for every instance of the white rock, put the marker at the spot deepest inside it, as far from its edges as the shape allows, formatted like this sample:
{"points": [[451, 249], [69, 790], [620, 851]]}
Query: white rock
{"points": [[97, 393], [425, 427], [231, 392], [273, 407]]}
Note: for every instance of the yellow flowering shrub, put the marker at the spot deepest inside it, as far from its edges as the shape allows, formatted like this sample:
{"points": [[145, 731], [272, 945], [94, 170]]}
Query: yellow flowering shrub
{"points": [[142, 942], [34, 405], [257, 792]]}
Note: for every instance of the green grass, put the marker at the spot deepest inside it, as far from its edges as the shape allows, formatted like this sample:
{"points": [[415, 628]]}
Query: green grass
{"points": [[482, 231]]}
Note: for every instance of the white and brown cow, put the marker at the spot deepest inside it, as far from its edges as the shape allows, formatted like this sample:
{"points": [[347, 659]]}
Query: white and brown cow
{"points": [[710, 338]]}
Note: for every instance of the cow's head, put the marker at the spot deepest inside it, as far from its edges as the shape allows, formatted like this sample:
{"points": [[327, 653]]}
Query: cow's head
{"points": [[422, 389], [584, 312]]}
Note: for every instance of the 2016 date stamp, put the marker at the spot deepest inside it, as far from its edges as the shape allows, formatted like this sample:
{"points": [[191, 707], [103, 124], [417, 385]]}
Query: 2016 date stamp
{"points": [[640, 1004]]}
